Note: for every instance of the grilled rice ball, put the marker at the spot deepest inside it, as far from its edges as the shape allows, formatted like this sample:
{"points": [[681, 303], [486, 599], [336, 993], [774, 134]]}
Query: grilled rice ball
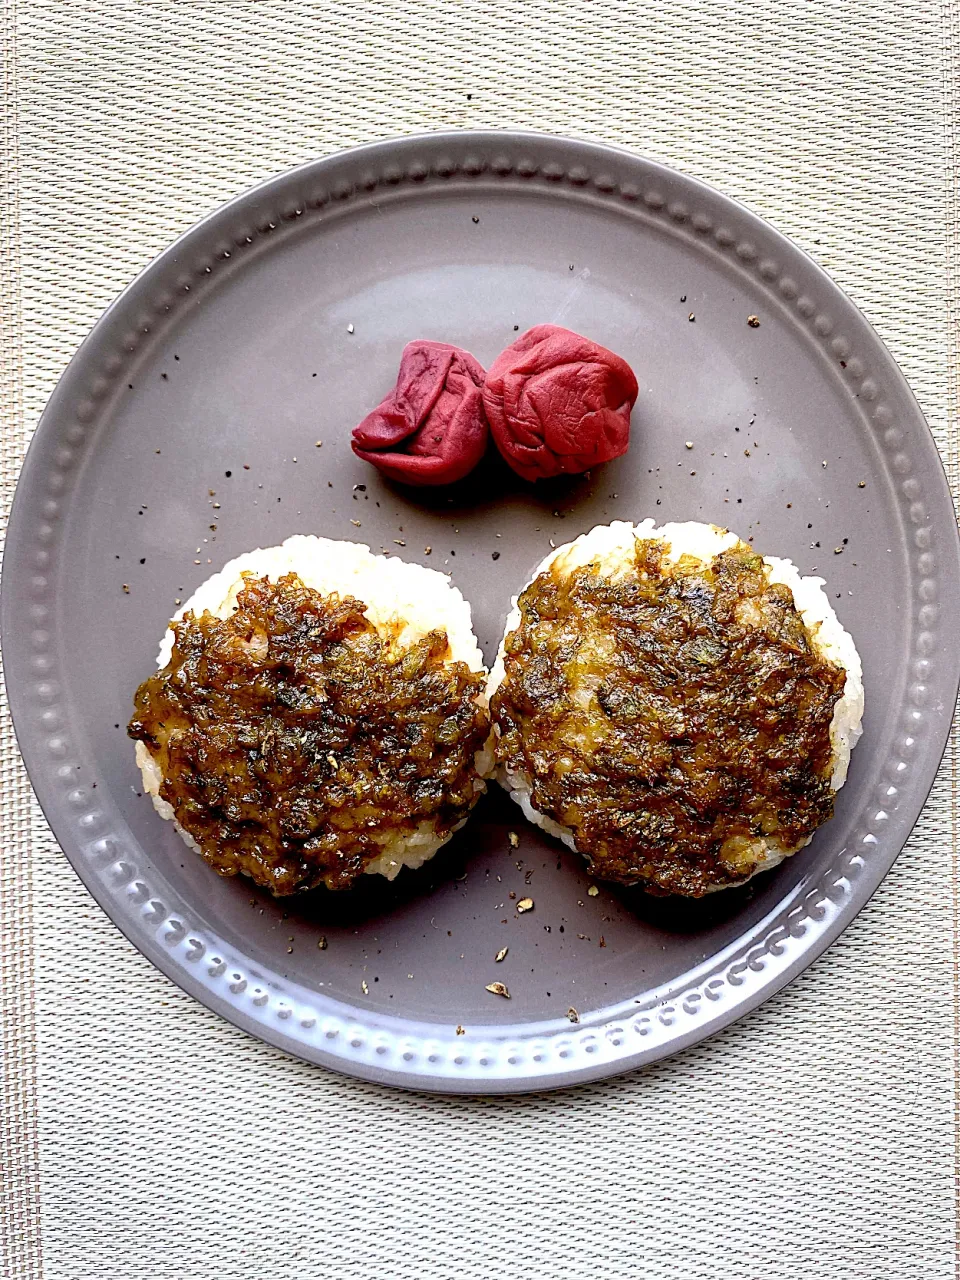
{"points": [[673, 705], [319, 713]]}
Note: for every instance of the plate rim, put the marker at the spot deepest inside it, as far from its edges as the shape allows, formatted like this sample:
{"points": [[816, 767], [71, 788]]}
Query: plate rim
{"points": [[586, 154]]}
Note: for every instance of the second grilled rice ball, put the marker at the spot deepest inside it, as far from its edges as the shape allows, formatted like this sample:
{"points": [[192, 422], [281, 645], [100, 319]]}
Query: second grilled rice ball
{"points": [[674, 706]]}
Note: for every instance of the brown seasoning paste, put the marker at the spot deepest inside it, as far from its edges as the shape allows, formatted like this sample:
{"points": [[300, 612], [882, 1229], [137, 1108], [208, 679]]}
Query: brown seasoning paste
{"points": [[670, 718], [291, 735]]}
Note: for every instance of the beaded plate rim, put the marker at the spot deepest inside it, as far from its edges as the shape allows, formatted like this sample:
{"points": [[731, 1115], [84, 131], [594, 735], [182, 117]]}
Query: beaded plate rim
{"points": [[547, 1054]]}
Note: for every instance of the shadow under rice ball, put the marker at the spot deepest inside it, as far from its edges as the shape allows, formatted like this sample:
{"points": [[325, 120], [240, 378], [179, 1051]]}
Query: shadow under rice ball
{"points": [[319, 713], [676, 707]]}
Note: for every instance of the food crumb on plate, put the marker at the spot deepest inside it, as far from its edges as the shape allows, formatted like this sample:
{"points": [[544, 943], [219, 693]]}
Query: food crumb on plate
{"points": [[498, 989]]}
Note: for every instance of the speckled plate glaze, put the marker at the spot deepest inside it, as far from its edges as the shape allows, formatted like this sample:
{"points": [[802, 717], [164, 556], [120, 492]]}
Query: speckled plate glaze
{"points": [[184, 432]]}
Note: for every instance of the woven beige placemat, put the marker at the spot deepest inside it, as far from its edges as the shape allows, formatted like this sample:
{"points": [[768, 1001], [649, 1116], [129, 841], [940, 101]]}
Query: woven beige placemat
{"points": [[140, 1136]]}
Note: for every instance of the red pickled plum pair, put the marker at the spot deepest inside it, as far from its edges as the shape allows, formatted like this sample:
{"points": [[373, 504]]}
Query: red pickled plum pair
{"points": [[555, 402]]}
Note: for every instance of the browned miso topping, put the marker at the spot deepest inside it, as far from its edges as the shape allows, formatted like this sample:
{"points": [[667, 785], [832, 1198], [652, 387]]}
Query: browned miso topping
{"points": [[670, 714], [291, 734]]}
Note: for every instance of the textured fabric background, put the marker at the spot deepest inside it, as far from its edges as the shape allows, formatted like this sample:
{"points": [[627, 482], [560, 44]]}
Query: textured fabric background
{"points": [[140, 1136]]}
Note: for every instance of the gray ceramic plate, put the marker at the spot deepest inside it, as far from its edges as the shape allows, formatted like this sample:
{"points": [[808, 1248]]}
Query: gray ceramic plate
{"points": [[184, 433]]}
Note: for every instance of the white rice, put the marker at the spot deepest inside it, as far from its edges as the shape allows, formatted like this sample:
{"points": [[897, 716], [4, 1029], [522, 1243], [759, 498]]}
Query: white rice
{"points": [[609, 548], [395, 592]]}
